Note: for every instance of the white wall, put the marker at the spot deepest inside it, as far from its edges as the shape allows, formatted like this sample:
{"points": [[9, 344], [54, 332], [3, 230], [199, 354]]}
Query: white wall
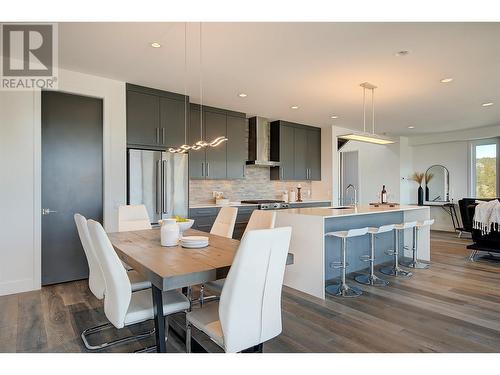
{"points": [[378, 165], [20, 251], [454, 156]]}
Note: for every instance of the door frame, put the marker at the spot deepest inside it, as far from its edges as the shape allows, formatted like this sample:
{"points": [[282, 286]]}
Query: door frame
{"points": [[341, 177]]}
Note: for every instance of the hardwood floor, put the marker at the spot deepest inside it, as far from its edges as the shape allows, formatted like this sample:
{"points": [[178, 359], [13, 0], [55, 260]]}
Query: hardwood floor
{"points": [[452, 307]]}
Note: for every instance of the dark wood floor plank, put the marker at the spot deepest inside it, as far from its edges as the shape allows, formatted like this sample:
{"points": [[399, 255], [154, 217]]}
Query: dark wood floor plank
{"points": [[31, 334]]}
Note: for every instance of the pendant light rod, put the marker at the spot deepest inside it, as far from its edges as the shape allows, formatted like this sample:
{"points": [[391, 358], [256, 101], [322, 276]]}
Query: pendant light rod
{"points": [[373, 111], [185, 85], [201, 88], [364, 109]]}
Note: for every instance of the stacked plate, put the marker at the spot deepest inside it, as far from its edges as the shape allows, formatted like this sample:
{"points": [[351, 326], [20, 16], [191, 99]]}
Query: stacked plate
{"points": [[194, 242]]}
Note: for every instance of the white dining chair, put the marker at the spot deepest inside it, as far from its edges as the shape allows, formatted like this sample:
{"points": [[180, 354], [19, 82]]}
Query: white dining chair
{"points": [[260, 219], [122, 307], [97, 284], [133, 217], [249, 310], [224, 222]]}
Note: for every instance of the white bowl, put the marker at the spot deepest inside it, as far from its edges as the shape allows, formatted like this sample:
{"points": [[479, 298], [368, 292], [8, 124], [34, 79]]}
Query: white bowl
{"points": [[185, 225]]}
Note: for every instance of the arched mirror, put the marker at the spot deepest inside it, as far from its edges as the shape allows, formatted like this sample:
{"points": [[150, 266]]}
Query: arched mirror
{"points": [[437, 184]]}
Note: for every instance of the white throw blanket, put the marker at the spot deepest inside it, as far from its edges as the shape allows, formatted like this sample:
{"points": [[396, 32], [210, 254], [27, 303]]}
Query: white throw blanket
{"points": [[486, 216]]}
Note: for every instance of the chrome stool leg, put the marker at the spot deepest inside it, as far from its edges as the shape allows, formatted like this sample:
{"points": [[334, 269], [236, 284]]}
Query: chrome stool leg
{"points": [[414, 263], [371, 278], [395, 270], [342, 289]]}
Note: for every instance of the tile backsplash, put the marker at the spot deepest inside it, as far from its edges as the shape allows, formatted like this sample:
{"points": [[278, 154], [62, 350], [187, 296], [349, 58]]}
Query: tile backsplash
{"points": [[255, 185]]}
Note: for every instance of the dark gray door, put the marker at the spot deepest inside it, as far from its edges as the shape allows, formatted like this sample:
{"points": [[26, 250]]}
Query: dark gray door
{"points": [[172, 122], [143, 119], [196, 158], [300, 153], [71, 180], [215, 126], [348, 176], [287, 152], [314, 154], [237, 153]]}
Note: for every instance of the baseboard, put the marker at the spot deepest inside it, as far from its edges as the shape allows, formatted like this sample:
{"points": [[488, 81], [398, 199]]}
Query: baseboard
{"points": [[17, 286]]}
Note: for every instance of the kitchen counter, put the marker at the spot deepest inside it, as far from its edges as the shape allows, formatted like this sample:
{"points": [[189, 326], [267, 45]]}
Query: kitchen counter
{"points": [[314, 252], [358, 210]]}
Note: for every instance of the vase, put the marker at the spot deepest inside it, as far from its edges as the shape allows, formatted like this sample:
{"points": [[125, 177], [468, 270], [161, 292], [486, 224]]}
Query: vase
{"points": [[169, 232], [420, 196]]}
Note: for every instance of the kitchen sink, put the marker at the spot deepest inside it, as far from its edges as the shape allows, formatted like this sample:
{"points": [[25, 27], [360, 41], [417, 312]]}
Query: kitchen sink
{"points": [[342, 207]]}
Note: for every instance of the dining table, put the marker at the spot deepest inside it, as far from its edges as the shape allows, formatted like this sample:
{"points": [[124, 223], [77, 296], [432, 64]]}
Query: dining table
{"points": [[174, 267]]}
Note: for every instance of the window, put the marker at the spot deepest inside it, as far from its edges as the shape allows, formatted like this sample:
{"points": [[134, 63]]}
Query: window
{"points": [[484, 168]]}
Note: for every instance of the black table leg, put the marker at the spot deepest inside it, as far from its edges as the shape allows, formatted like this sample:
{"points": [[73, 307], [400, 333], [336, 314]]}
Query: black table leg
{"points": [[161, 345]]}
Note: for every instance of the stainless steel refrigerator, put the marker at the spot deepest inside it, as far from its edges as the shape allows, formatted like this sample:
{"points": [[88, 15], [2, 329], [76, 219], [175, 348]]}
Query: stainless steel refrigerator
{"points": [[159, 180]]}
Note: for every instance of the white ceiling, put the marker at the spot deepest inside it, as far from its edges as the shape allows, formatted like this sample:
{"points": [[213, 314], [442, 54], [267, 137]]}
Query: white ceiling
{"points": [[317, 66]]}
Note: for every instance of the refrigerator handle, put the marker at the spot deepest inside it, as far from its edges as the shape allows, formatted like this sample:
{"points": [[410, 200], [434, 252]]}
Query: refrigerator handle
{"points": [[165, 202], [158, 187]]}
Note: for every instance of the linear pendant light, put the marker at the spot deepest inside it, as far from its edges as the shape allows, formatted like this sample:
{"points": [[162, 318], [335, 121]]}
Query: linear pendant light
{"points": [[365, 136], [201, 143]]}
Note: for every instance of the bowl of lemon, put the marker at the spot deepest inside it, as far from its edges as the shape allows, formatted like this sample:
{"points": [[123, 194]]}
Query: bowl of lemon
{"points": [[183, 223]]}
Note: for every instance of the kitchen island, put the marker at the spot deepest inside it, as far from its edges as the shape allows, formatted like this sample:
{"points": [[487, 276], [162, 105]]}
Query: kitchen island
{"points": [[313, 253]]}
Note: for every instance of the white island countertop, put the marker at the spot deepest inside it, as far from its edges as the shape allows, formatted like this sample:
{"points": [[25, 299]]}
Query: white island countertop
{"points": [[326, 212]]}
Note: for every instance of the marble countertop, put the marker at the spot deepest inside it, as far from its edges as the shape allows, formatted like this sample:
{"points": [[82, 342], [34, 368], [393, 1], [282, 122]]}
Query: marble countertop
{"points": [[239, 204], [340, 212]]}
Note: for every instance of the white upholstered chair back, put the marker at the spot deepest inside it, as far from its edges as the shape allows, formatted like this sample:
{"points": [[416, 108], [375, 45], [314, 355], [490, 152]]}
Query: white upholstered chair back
{"points": [[261, 219], [250, 303], [96, 277], [133, 217], [118, 288], [224, 222]]}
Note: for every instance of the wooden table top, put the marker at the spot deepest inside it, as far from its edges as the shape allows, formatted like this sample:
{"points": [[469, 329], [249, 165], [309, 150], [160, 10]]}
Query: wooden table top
{"points": [[174, 267]]}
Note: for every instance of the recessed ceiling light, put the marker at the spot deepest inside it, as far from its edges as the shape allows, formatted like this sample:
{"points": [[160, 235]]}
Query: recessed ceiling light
{"points": [[335, 116], [294, 107], [489, 104], [402, 53], [411, 127], [155, 45], [242, 95], [446, 80]]}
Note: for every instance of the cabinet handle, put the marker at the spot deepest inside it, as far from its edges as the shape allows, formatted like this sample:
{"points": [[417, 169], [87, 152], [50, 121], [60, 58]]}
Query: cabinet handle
{"points": [[163, 136], [282, 173], [157, 135], [208, 169], [202, 169]]}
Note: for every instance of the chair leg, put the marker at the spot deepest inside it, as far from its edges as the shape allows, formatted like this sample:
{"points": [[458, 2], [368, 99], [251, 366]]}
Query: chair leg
{"points": [[90, 331], [202, 295], [472, 255], [188, 336]]}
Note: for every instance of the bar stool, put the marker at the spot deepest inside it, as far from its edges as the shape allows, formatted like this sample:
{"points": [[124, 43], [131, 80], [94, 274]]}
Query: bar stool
{"points": [[414, 263], [371, 278], [395, 270], [342, 289]]}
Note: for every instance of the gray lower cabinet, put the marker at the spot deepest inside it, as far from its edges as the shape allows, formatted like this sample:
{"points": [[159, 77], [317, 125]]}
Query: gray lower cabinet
{"points": [[298, 149], [310, 204], [204, 218], [226, 161]]}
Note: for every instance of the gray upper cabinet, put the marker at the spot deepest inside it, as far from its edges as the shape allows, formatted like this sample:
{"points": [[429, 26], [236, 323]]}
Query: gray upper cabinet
{"points": [[172, 122], [237, 152], [215, 126], [300, 154], [226, 161], [155, 118], [196, 158], [143, 119], [314, 154], [298, 149]]}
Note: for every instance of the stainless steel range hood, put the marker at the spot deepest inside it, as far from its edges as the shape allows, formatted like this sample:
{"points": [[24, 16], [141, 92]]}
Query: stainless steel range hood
{"points": [[259, 143]]}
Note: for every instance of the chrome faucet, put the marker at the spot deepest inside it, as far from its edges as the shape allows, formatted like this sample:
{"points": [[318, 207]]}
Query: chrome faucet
{"points": [[355, 193]]}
